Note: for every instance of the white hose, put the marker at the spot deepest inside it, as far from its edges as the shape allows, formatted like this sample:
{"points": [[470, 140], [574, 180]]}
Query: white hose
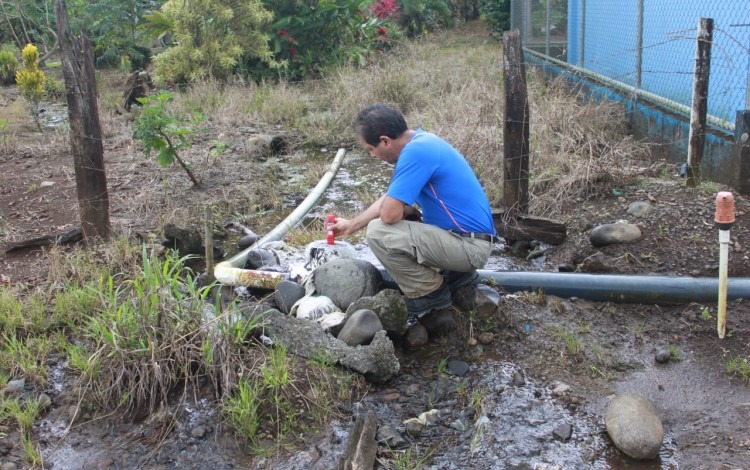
{"points": [[230, 272]]}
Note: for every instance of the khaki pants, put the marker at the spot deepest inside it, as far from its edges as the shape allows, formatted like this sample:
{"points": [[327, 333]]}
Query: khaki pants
{"points": [[414, 253]]}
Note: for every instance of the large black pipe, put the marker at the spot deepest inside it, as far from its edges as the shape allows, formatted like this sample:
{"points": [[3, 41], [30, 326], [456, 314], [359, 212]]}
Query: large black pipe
{"points": [[613, 288], [619, 288]]}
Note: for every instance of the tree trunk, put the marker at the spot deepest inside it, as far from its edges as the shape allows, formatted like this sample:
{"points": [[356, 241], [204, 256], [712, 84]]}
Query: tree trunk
{"points": [[85, 130]]}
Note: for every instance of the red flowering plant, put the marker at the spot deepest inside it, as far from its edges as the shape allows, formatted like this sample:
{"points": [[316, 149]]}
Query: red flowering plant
{"points": [[308, 35], [384, 9]]}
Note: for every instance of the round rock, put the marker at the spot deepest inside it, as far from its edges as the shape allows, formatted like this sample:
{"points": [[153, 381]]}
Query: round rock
{"points": [[346, 280], [662, 356], [459, 368], [360, 328], [634, 426], [287, 294], [610, 234], [639, 208]]}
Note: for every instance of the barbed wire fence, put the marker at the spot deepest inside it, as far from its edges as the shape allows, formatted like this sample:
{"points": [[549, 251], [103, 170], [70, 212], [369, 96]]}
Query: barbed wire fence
{"points": [[646, 51], [645, 48]]}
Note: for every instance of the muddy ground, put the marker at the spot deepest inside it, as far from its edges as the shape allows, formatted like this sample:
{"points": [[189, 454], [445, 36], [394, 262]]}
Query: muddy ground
{"points": [[597, 349]]}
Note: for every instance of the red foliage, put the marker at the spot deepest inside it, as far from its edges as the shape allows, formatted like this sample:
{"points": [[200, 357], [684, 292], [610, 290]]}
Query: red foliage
{"points": [[384, 9]]}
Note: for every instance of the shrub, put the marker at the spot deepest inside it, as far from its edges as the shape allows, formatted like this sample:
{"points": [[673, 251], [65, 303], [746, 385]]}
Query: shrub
{"points": [[212, 48], [307, 37], [8, 65], [496, 14], [31, 80]]}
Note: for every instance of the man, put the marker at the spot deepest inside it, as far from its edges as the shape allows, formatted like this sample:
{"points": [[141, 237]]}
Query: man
{"points": [[429, 261]]}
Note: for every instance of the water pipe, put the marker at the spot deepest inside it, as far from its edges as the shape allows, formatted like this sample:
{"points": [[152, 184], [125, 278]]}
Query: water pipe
{"points": [[618, 288], [231, 272], [611, 287], [724, 219]]}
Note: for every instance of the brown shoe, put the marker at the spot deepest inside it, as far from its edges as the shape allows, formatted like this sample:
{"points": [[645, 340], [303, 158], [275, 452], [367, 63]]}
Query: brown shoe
{"points": [[438, 322], [469, 298], [416, 336]]}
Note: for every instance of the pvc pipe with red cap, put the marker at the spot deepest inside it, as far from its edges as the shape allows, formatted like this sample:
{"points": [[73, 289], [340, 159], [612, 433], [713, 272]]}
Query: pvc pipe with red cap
{"points": [[724, 219]]}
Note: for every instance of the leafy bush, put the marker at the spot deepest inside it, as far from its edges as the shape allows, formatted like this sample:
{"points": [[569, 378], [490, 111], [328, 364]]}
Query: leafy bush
{"points": [[307, 36], [31, 80], [8, 65], [418, 17], [496, 14], [212, 48]]}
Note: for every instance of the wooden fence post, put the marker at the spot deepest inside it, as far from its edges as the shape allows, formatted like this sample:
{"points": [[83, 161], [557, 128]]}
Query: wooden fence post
{"points": [[516, 128], [85, 130], [699, 107]]}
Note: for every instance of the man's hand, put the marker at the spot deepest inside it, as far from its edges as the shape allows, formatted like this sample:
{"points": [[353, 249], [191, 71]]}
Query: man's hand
{"points": [[344, 226]]}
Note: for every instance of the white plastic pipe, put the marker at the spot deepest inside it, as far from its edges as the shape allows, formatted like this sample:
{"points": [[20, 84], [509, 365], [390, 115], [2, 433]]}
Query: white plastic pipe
{"points": [[721, 317], [230, 272]]}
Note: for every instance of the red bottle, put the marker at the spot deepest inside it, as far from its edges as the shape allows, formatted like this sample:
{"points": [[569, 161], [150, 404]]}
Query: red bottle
{"points": [[330, 236]]}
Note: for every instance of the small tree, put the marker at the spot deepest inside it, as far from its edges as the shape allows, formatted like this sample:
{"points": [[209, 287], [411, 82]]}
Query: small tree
{"points": [[31, 80], [163, 132]]}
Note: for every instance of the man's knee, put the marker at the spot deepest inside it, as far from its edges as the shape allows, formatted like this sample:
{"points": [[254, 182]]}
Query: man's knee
{"points": [[375, 230]]}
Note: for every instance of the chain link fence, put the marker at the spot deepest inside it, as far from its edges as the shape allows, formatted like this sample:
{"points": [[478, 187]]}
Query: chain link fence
{"points": [[646, 46]]}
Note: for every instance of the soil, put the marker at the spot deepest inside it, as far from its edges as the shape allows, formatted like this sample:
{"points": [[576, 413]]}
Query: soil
{"points": [[704, 409]]}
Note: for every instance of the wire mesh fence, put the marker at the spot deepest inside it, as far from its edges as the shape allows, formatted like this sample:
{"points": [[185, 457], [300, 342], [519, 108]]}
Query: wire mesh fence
{"points": [[647, 46]]}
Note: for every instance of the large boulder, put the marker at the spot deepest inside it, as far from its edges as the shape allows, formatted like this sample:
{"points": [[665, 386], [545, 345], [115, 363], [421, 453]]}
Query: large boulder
{"points": [[634, 426], [346, 280]]}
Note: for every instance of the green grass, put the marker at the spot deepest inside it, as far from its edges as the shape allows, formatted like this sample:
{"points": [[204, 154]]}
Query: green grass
{"points": [[674, 352], [572, 343], [442, 367], [739, 367]]}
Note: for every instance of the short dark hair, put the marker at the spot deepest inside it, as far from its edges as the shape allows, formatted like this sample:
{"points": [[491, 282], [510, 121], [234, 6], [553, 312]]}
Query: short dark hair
{"points": [[379, 119]]}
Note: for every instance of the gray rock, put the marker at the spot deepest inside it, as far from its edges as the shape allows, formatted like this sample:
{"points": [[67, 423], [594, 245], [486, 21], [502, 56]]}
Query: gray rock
{"points": [[416, 337], [346, 280], [247, 241], [44, 401], [286, 294], [388, 435], [414, 426], [390, 307], [360, 328], [459, 368], [662, 356], [199, 432], [639, 208], [563, 432], [8, 466], [518, 379], [609, 234], [376, 361], [187, 240], [597, 263], [634, 426], [259, 257]]}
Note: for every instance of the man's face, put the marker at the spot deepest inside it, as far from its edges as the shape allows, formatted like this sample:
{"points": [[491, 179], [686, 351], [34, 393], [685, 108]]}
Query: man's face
{"points": [[382, 151]]}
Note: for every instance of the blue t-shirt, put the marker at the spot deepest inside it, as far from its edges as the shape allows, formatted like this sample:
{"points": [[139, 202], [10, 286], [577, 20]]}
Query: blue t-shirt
{"points": [[430, 172]]}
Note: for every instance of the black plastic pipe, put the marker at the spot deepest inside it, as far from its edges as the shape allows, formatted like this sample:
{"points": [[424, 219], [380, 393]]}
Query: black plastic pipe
{"points": [[619, 288], [611, 287]]}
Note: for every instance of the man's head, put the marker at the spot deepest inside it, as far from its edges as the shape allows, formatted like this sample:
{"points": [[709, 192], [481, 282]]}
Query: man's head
{"points": [[380, 124]]}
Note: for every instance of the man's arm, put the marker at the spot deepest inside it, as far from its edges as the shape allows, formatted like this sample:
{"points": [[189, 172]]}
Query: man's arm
{"points": [[388, 209]]}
